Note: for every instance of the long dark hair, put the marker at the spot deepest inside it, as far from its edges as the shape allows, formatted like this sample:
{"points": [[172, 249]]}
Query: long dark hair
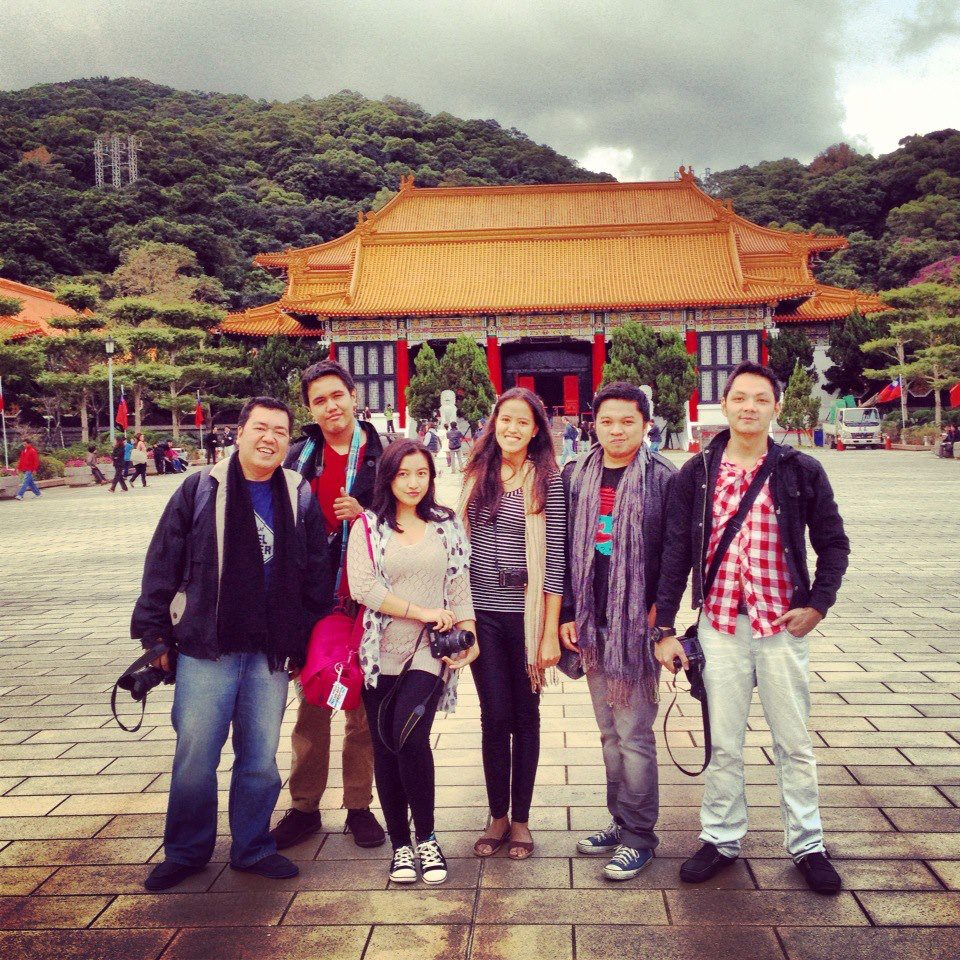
{"points": [[384, 503], [484, 465]]}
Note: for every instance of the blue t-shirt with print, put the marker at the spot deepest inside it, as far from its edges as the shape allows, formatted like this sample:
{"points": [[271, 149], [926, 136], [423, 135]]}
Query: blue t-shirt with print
{"points": [[261, 493]]}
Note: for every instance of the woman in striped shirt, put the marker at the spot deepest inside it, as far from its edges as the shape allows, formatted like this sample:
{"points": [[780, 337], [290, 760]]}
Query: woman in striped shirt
{"points": [[515, 513]]}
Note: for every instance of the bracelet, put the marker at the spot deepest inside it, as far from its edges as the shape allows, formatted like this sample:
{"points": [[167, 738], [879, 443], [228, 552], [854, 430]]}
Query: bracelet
{"points": [[405, 612]]}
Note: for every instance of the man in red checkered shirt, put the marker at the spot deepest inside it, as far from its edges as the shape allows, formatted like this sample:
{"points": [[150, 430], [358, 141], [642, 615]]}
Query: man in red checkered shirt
{"points": [[755, 616]]}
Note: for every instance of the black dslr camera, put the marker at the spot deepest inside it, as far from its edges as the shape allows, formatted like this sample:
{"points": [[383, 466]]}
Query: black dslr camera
{"points": [[696, 659], [512, 577], [140, 678], [450, 643]]}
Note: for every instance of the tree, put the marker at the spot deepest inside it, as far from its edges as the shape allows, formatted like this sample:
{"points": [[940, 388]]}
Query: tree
{"points": [[464, 370], [658, 359], [423, 391], [164, 271], [70, 379], [927, 320], [845, 352], [275, 368], [789, 347], [799, 409], [10, 306], [80, 296]]}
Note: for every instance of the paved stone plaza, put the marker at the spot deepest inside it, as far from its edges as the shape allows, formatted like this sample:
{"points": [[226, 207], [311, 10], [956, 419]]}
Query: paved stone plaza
{"points": [[82, 802]]}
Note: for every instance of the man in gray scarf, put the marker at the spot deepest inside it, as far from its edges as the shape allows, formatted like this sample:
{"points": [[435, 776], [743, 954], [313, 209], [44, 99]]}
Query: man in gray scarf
{"points": [[612, 577]]}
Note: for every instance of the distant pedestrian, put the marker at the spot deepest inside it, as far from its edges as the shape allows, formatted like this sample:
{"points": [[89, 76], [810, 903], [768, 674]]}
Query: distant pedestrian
{"points": [[655, 437], [367, 413], [570, 435], [210, 446], [119, 460], [455, 445], [127, 454], [28, 465], [431, 440], [91, 461], [159, 456], [138, 459], [388, 413]]}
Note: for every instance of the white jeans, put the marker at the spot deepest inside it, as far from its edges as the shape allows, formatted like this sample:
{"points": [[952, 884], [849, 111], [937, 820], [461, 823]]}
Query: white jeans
{"points": [[778, 667]]}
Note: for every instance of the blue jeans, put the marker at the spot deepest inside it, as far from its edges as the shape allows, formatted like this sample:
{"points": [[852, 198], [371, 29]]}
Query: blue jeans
{"points": [[630, 759], [209, 695], [569, 453], [778, 667], [28, 484]]}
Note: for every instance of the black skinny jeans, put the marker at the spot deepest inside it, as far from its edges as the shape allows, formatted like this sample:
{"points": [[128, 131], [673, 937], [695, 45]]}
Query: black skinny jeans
{"points": [[118, 478], [405, 783], [139, 470], [509, 710]]}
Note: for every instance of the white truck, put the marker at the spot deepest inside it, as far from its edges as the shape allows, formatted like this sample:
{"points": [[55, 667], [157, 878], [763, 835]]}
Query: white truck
{"points": [[854, 427]]}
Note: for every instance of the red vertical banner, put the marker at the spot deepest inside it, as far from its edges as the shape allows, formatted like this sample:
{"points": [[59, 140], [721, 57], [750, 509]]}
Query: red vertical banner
{"points": [[764, 348], [493, 364], [403, 379], [693, 405], [333, 351], [599, 358]]}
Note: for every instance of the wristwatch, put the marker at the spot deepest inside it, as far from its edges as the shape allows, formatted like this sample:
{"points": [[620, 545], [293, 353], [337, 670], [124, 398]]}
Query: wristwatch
{"points": [[661, 633]]}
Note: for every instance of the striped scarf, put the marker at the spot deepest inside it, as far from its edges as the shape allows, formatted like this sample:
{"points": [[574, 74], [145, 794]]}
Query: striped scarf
{"points": [[627, 657]]}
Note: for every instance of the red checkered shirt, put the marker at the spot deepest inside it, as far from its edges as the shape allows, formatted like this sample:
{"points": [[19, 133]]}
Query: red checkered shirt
{"points": [[753, 569]]}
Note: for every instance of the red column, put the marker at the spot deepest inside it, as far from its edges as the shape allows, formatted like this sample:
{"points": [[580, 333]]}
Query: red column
{"points": [[402, 367], [693, 411], [493, 364], [764, 348], [333, 351], [599, 358]]}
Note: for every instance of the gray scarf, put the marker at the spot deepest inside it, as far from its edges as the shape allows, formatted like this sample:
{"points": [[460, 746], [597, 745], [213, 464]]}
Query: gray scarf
{"points": [[627, 658]]}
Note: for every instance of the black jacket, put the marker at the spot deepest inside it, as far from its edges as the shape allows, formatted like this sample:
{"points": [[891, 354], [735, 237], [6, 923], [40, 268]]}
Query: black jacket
{"points": [[366, 471], [661, 475], [803, 499], [181, 577]]}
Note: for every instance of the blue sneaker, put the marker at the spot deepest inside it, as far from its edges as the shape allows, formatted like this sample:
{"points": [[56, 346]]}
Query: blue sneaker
{"points": [[601, 844], [627, 863]]}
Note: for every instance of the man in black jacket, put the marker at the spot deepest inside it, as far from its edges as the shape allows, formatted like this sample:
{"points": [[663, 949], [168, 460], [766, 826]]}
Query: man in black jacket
{"points": [[235, 578], [338, 458], [755, 616]]}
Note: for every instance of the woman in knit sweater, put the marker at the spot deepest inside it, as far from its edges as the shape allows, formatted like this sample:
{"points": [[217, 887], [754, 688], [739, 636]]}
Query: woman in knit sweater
{"points": [[412, 575], [514, 507]]}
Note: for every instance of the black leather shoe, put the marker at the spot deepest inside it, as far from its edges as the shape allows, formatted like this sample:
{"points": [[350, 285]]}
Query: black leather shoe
{"points": [[294, 827], [707, 862], [365, 828], [819, 873], [168, 874], [274, 867]]}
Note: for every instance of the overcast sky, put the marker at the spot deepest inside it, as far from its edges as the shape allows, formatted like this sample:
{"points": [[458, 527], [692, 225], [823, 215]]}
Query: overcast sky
{"points": [[633, 87]]}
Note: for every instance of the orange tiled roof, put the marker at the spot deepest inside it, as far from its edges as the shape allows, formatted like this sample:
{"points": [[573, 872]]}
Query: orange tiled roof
{"points": [[833, 303], [522, 249], [266, 321], [38, 307]]}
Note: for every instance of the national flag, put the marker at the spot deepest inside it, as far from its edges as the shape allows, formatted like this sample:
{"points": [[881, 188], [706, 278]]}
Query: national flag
{"points": [[198, 412], [890, 392], [954, 395], [1, 398], [122, 418]]}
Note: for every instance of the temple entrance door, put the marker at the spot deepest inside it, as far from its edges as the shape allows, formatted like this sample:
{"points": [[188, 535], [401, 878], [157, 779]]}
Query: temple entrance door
{"points": [[571, 395], [526, 382]]}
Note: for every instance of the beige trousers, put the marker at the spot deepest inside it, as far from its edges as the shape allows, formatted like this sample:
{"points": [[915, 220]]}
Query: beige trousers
{"points": [[311, 759]]}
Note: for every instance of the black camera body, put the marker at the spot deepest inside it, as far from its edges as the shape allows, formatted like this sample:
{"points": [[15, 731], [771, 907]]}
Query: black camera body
{"points": [[512, 577], [696, 660], [451, 642], [140, 678], [139, 683]]}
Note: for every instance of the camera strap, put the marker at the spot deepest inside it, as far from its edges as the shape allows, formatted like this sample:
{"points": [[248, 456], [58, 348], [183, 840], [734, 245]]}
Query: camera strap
{"points": [[137, 664], [730, 531], [416, 715]]}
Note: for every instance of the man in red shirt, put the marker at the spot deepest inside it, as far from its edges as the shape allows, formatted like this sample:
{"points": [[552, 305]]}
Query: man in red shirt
{"points": [[332, 444], [755, 617], [28, 464]]}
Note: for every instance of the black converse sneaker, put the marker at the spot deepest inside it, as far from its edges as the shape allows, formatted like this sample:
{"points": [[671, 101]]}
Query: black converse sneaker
{"points": [[433, 867], [403, 868]]}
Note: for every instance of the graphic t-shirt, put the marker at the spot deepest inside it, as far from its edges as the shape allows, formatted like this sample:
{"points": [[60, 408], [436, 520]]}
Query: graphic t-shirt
{"points": [[261, 493], [326, 487], [603, 541]]}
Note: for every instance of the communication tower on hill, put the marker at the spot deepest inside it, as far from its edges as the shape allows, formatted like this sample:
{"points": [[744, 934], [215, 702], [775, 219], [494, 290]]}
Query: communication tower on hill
{"points": [[122, 154]]}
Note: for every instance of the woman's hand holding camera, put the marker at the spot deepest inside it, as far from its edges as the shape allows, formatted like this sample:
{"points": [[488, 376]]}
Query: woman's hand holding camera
{"points": [[442, 620], [666, 650], [463, 658]]}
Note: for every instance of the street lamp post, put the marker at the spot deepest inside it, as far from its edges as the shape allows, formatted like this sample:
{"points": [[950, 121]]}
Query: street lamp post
{"points": [[110, 346]]}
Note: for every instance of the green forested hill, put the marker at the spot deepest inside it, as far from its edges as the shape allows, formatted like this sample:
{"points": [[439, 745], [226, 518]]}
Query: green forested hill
{"points": [[226, 176], [901, 211]]}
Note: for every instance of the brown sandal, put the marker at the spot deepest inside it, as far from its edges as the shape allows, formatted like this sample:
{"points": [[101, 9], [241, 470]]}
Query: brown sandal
{"points": [[494, 843], [520, 846]]}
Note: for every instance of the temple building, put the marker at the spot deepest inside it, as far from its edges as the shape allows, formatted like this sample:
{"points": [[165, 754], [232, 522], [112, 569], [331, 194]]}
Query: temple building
{"points": [[39, 306], [542, 275]]}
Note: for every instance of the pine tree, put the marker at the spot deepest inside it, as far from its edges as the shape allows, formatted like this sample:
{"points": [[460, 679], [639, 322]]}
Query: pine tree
{"points": [[799, 409], [464, 370], [789, 346], [423, 391]]}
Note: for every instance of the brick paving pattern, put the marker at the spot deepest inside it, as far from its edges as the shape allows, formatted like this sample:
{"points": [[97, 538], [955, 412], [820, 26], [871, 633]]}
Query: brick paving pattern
{"points": [[82, 802]]}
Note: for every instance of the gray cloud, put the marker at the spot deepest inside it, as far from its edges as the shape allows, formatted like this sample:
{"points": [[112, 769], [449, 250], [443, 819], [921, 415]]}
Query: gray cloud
{"points": [[933, 21], [674, 81]]}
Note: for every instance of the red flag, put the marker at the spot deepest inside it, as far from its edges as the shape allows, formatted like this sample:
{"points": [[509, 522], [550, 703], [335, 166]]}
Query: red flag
{"points": [[1, 399], [198, 413], [123, 420], [955, 395]]}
